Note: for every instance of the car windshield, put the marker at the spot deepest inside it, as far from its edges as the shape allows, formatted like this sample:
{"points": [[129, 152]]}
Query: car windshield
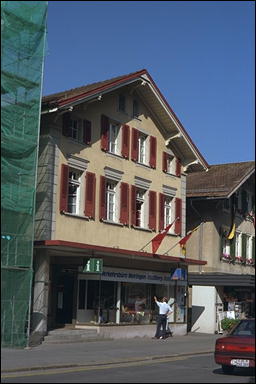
{"points": [[244, 328]]}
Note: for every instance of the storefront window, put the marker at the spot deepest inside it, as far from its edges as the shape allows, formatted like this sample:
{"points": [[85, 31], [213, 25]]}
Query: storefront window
{"points": [[99, 300], [135, 303]]}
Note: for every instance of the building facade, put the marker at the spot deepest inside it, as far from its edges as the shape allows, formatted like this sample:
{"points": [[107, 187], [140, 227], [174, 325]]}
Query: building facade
{"points": [[112, 174], [222, 203]]}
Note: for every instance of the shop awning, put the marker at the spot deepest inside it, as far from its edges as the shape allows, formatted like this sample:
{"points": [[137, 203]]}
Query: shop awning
{"points": [[221, 279], [86, 250]]}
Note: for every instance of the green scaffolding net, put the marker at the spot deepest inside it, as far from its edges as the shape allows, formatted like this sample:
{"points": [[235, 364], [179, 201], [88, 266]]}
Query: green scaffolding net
{"points": [[23, 25]]}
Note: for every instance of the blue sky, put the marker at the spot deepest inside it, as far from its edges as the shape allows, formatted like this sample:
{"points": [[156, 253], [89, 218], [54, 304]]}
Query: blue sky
{"points": [[200, 54]]}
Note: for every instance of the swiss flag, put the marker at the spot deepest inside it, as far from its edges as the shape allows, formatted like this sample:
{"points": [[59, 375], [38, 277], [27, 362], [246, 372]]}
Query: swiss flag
{"points": [[156, 241]]}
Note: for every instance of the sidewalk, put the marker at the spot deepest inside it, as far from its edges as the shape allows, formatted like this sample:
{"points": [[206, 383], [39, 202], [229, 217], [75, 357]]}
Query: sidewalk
{"points": [[104, 352]]}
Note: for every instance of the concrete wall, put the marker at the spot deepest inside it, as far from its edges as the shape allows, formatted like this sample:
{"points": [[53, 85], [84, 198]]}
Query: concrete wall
{"points": [[129, 331], [203, 309]]}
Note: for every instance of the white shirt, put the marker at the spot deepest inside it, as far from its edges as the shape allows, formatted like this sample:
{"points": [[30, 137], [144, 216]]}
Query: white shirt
{"points": [[164, 308]]}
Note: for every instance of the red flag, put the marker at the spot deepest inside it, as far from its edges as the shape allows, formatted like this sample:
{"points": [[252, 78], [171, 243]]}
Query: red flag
{"points": [[156, 241], [183, 241]]}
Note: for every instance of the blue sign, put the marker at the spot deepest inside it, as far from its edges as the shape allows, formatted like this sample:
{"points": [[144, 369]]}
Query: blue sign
{"points": [[179, 274]]}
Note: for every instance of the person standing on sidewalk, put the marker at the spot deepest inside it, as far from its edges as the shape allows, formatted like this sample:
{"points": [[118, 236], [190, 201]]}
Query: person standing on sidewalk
{"points": [[164, 311]]}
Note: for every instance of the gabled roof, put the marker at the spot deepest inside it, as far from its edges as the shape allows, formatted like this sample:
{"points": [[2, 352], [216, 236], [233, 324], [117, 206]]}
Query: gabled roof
{"points": [[144, 86], [221, 180]]}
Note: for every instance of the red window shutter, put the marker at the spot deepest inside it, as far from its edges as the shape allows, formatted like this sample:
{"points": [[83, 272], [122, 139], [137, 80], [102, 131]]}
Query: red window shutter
{"points": [[124, 204], [165, 155], [90, 195], [178, 167], [104, 132], [152, 160], [87, 134], [66, 124], [64, 188], [125, 141], [135, 144], [152, 210], [178, 213], [102, 198], [161, 211], [133, 205]]}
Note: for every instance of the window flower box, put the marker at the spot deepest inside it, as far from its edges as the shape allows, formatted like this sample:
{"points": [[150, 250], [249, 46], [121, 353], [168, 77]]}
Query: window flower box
{"points": [[227, 257]]}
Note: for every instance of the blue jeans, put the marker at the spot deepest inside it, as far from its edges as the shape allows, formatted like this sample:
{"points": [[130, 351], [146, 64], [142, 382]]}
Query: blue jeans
{"points": [[161, 326]]}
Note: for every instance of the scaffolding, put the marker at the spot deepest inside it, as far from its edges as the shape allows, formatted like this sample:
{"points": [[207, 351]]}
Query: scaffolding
{"points": [[23, 28]]}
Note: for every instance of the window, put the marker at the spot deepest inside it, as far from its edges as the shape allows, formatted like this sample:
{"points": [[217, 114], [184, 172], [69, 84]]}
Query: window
{"points": [[238, 249], [114, 138], [226, 204], [171, 165], [111, 200], [142, 148], [74, 185], [238, 246], [121, 103], [135, 109], [226, 247], [140, 208], [249, 254], [239, 200], [76, 128], [168, 212]]}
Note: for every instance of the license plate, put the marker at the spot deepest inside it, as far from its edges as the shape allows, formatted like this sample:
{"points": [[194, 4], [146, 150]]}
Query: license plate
{"points": [[240, 363]]}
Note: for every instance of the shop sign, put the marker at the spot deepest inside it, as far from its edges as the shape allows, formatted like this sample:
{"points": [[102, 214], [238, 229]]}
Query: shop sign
{"points": [[135, 276], [93, 266]]}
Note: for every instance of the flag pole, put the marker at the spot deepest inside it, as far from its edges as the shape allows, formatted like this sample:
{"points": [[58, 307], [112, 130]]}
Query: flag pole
{"points": [[141, 249], [157, 235], [171, 248], [189, 233]]}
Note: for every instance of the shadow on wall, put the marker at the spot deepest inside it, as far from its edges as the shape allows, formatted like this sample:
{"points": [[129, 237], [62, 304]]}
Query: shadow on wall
{"points": [[196, 312]]}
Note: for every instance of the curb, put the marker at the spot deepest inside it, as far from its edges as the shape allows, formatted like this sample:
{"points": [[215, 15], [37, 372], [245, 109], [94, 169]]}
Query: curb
{"points": [[128, 360]]}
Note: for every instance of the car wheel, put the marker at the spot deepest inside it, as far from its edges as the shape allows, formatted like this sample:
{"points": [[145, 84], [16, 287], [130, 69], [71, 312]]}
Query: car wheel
{"points": [[227, 369]]}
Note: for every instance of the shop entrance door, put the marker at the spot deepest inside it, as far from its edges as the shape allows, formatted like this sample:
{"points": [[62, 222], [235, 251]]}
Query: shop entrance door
{"points": [[64, 310]]}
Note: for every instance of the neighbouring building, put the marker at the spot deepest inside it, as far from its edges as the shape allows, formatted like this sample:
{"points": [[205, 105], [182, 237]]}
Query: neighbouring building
{"points": [[23, 31], [222, 202], [112, 170]]}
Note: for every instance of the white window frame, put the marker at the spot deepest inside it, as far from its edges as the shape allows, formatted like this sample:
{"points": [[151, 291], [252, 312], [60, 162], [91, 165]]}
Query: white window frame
{"points": [[141, 197], [238, 247], [169, 213], [171, 164], [249, 254], [142, 148], [226, 247], [75, 181], [111, 200], [114, 138]]}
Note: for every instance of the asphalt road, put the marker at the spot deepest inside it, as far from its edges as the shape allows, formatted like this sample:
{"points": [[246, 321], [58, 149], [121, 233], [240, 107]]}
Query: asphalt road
{"points": [[183, 369]]}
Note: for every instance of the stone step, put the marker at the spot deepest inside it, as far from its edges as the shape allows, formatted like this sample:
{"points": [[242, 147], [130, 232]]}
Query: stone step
{"points": [[58, 336], [65, 332]]}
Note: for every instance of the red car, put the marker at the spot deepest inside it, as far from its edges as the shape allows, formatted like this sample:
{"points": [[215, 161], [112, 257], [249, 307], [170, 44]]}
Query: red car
{"points": [[237, 349]]}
